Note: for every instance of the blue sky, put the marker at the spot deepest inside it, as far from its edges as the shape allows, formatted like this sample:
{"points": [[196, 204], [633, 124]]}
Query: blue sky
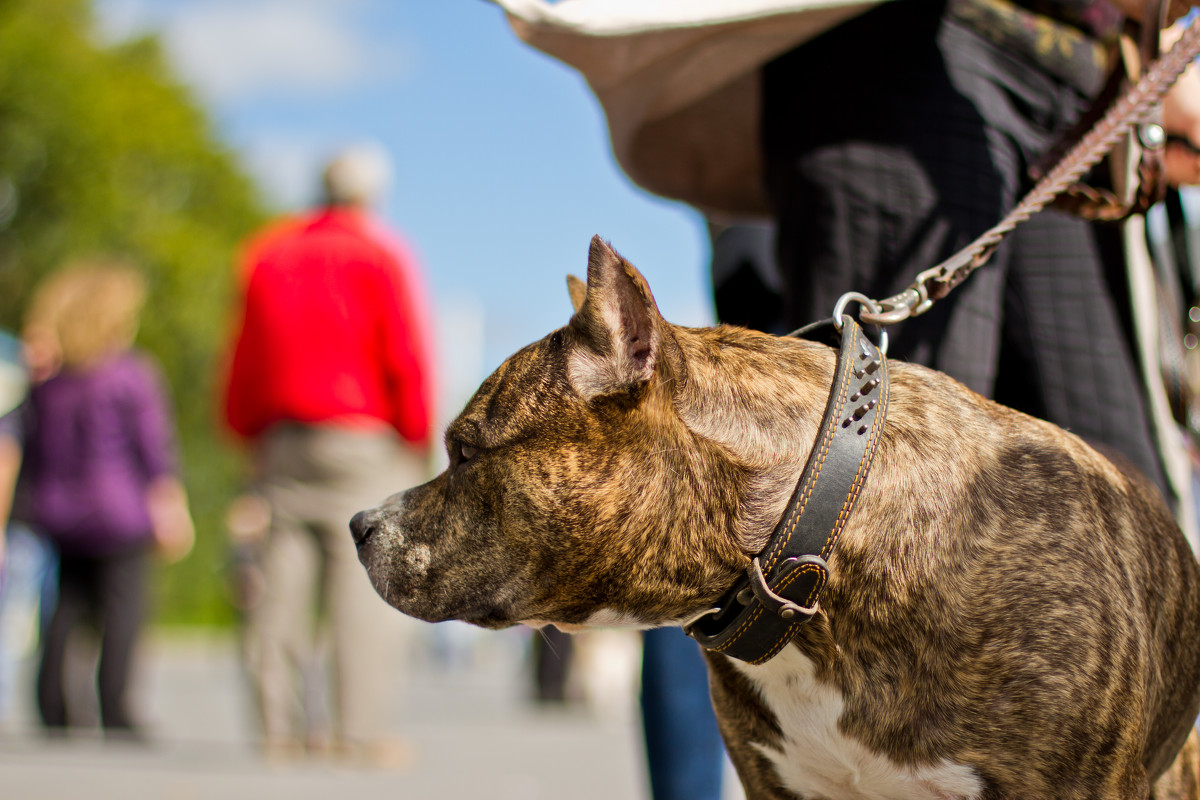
{"points": [[503, 166]]}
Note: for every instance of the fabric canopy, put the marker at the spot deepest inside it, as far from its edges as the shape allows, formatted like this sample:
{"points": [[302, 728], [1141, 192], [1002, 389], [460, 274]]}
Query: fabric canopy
{"points": [[679, 82]]}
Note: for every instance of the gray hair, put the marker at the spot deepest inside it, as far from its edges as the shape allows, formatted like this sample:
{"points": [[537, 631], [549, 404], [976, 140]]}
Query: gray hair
{"points": [[357, 176]]}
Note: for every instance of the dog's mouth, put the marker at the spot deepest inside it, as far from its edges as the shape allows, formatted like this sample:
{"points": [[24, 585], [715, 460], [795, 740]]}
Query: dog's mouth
{"points": [[423, 608], [431, 602], [494, 620], [488, 617]]}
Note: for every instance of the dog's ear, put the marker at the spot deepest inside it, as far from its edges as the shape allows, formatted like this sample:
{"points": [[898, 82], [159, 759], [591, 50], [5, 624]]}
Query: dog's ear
{"points": [[578, 291], [620, 324]]}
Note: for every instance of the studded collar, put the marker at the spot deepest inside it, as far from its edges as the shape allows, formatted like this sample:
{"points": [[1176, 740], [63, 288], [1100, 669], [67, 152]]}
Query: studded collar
{"points": [[782, 586]]}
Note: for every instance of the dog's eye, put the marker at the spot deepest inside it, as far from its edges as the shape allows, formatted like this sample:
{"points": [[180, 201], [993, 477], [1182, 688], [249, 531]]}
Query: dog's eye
{"points": [[462, 453]]}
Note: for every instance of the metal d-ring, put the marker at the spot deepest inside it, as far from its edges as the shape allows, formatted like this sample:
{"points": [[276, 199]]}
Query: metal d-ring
{"points": [[870, 305], [774, 603]]}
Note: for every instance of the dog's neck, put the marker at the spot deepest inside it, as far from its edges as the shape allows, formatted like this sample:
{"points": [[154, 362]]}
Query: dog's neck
{"points": [[759, 398]]}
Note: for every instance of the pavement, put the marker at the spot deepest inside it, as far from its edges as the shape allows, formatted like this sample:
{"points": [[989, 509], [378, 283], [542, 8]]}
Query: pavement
{"points": [[464, 710]]}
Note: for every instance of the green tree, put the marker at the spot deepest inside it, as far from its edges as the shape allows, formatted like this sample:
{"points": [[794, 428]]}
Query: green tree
{"points": [[102, 152]]}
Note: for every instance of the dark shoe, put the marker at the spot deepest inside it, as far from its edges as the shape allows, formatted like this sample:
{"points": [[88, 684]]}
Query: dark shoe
{"points": [[126, 734], [56, 733]]}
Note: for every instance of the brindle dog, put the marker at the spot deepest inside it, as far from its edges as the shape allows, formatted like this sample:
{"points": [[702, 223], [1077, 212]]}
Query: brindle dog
{"points": [[1009, 614]]}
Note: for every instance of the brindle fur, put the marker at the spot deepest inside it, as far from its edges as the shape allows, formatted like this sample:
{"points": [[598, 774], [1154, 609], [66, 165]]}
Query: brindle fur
{"points": [[1003, 596]]}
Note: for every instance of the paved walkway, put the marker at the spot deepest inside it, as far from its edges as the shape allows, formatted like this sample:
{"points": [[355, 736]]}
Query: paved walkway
{"points": [[466, 714]]}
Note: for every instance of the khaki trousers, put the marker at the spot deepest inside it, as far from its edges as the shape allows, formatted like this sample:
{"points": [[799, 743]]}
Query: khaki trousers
{"points": [[315, 479]]}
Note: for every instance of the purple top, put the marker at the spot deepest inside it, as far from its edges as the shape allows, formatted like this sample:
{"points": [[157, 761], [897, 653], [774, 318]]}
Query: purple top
{"points": [[95, 439]]}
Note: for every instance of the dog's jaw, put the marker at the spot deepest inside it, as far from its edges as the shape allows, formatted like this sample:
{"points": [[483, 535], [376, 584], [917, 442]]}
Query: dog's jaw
{"points": [[607, 619]]}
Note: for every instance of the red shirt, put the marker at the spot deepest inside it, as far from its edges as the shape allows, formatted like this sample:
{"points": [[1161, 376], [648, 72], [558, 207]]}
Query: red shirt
{"points": [[333, 329]]}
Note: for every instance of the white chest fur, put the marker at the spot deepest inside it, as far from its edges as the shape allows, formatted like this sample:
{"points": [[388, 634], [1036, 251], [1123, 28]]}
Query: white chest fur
{"points": [[817, 760]]}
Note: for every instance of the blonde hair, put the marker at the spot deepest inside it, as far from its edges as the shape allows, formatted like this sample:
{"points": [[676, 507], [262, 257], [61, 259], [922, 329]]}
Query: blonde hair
{"points": [[90, 310]]}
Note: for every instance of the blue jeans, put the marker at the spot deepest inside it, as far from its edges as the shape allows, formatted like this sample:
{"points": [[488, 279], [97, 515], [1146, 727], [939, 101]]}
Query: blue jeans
{"points": [[27, 595], [683, 746]]}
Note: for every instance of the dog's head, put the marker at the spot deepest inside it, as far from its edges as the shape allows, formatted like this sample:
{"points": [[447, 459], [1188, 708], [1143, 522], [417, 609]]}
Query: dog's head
{"points": [[574, 493]]}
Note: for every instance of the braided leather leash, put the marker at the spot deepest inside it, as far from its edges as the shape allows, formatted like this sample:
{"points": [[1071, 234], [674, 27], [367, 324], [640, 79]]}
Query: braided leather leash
{"points": [[1131, 109]]}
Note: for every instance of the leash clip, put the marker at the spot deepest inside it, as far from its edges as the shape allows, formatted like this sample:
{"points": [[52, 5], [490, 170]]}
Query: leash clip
{"points": [[776, 604], [871, 312]]}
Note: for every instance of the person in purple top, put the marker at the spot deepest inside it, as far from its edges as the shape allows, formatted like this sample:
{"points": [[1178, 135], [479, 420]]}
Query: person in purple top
{"points": [[98, 476]]}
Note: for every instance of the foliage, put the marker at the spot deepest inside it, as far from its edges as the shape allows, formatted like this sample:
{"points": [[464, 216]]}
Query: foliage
{"points": [[101, 152]]}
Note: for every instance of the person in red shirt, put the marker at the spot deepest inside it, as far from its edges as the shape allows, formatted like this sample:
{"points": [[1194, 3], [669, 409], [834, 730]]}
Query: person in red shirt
{"points": [[330, 382]]}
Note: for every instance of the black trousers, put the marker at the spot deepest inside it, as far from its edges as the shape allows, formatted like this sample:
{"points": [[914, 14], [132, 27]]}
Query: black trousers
{"points": [[110, 593], [893, 142]]}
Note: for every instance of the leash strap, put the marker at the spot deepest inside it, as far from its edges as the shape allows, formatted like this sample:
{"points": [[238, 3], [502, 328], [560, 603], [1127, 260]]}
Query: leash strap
{"points": [[1136, 188], [782, 586], [1132, 108]]}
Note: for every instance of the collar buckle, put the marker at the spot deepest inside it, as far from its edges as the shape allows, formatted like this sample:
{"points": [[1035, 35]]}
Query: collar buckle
{"points": [[777, 604]]}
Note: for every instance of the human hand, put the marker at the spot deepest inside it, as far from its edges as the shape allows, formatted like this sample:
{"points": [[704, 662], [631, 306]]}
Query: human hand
{"points": [[1181, 119], [247, 519], [1177, 9], [1135, 9], [1181, 162], [170, 520]]}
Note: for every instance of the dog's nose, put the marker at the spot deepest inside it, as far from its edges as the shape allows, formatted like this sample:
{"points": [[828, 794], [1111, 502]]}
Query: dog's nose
{"points": [[362, 528]]}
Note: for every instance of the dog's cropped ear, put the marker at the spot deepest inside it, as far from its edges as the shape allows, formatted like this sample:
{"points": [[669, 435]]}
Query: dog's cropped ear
{"points": [[578, 291], [620, 324]]}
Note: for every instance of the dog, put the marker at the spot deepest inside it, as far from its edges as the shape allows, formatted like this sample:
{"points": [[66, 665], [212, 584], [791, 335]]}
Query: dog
{"points": [[1006, 613]]}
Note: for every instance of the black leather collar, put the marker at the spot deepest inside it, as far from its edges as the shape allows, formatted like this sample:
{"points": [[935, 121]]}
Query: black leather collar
{"points": [[782, 586]]}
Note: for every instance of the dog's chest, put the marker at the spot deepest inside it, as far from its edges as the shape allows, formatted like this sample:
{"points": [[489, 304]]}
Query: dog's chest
{"points": [[816, 759]]}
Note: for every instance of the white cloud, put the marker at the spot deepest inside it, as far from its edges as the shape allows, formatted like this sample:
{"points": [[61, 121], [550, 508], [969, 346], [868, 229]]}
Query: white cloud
{"points": [[234, 50]]}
